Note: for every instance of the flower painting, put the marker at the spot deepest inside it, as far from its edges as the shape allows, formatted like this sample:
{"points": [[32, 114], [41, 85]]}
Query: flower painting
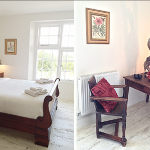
{"points": [[97, 26], [11, 46]]}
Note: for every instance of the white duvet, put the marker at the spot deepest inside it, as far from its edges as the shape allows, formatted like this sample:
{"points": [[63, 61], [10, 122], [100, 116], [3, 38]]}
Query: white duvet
{"points": [[14, 101]]}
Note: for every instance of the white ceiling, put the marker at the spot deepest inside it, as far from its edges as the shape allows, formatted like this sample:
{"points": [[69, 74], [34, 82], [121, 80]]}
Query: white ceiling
{"points": [[28, 7]]}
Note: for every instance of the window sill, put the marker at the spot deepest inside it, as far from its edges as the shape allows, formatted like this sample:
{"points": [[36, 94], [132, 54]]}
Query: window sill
{"points": [[67, 81]]}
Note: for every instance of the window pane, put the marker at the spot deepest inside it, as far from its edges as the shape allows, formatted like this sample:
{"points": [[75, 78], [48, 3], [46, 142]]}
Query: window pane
{"points": [[53, 75], [66, 29], [39, 73], [54, 65], [67, 71], [64, 41], [44, 31], [62, 75], [63, 65], [46, 64], [40, 53], [71, 30], [69, 75], [49, 74], [45, 74], [54, 30], [44, 40], [47, 54], [71, 41], [39, 64], [70, 66], [55, 55], [64, 55], [68, 36], [53, 39], [70, 56]]}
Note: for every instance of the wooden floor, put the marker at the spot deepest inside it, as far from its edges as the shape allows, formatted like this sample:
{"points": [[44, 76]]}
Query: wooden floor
{"points": [[62, 134], [137, 132]]}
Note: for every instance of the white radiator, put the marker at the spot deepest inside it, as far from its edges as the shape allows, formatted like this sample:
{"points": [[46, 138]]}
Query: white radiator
{"points": [[85, 106]]}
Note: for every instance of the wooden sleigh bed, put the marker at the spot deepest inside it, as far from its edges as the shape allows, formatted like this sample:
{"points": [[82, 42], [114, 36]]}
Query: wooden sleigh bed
{"points": [[39, 127]]}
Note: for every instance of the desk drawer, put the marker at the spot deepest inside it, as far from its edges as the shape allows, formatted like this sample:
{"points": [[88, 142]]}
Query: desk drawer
{"points": [[137, 86]]}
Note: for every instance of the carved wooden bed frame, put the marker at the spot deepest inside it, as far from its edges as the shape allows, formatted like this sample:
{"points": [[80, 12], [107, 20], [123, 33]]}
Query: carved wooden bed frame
{"points": [[40, 127]]}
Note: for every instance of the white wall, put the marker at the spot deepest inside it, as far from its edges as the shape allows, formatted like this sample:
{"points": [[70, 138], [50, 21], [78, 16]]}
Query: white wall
{"points": [[127, 51], [18, 27]]}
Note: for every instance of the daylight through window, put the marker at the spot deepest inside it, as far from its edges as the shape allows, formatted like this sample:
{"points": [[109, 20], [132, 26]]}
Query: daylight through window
{"points": [[55, 51]]}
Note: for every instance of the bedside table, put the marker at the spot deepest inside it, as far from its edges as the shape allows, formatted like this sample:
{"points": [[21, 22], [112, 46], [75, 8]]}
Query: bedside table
{"points": [[1, 74]]}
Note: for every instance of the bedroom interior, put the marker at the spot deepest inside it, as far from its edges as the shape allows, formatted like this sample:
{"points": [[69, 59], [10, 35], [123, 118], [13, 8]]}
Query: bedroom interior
{"points": [[126, 53], [27, 24]]}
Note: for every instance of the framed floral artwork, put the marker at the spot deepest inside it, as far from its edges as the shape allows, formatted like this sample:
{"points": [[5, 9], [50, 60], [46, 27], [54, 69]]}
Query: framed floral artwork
{"points": [[11, 46], [97, 26]]}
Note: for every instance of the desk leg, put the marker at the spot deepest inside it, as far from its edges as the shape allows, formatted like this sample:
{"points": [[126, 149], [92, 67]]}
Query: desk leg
{"points": [[147, 98], [126, 92]]}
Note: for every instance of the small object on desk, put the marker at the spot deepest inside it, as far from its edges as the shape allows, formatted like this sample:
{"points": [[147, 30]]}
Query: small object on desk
{"points": [[137, 76], [148, 75], [1, 74]]}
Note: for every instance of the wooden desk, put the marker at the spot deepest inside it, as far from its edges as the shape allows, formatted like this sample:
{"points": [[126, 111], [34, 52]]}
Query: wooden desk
{"points": [[1, 74], [142, 85]]}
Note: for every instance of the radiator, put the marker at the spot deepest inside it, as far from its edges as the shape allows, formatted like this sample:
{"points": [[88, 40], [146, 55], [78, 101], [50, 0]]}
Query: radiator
{"points": [[85, 106]]}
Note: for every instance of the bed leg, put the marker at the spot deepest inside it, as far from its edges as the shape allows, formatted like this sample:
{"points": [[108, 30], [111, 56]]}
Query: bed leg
{"points": [[41, 137], [41, 140]]}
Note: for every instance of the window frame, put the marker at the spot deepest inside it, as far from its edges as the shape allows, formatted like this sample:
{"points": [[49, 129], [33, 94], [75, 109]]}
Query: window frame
{"points": [[52, 46]]}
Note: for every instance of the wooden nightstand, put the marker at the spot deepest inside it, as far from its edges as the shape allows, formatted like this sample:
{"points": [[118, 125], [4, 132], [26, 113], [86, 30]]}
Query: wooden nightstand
{"points": [[1, 74]]}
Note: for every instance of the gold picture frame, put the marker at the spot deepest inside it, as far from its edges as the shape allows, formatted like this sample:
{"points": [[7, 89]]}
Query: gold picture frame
{"points": [[97, 26], [11, 46]]}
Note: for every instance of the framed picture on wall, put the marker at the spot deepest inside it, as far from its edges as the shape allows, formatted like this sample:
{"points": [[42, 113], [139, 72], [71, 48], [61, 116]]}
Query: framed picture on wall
{"points": [[11, 46], [97, 26]]}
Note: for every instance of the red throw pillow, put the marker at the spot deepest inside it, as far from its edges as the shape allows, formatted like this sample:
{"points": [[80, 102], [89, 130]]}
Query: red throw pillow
{"points": [[104, 89]]}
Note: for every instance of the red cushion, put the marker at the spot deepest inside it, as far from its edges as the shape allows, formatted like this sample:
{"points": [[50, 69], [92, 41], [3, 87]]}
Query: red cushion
{"points": [[104, 89]]}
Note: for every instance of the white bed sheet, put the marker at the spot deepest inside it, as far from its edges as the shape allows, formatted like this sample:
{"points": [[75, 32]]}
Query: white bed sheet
{"points": [[14, 101]]}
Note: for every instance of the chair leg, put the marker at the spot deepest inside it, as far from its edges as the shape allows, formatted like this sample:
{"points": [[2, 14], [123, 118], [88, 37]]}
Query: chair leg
{"points": [[147, 98], [98, 124], [123, 139]]}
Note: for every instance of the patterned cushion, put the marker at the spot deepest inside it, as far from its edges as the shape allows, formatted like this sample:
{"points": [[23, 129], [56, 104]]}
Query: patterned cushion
{"points": [[104, 89]]}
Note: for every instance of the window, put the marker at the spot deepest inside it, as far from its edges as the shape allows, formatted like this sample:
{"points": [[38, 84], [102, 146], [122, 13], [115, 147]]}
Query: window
{"points": [[55, 50], [48, 35]]}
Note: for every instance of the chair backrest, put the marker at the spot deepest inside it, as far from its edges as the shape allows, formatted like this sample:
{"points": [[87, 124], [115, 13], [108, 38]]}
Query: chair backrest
{"points": [[92, 83]]}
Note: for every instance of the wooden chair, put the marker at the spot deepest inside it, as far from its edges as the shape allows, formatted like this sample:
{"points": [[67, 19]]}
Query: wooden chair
{"points": [[119, 110]]}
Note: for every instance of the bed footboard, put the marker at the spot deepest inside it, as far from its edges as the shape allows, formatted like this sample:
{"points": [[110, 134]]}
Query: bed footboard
{"points": [[43, 124], [40, 126]]}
